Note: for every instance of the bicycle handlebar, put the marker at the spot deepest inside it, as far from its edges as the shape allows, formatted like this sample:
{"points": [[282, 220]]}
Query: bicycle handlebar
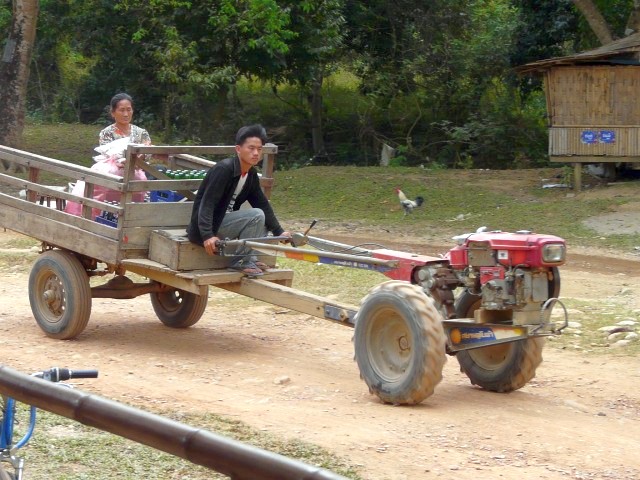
{"points": [[56, 374]]}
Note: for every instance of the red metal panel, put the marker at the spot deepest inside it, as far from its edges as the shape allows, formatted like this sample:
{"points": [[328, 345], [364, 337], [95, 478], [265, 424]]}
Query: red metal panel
{"points": [[408, 262]]}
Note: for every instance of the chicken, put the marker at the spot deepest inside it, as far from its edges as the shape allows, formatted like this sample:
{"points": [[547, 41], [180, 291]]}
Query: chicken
{"points": [[408, 205]]}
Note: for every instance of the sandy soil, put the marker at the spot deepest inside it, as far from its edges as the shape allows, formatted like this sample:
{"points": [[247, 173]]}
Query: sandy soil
{"points": [[578, 419]]}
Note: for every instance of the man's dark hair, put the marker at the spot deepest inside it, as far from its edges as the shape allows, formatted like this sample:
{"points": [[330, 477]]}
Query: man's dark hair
{"points": [[250, 131], [118, 98]]}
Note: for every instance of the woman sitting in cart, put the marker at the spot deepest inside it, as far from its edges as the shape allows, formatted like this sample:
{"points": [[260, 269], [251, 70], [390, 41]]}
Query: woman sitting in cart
{"points": [[216, 213], [122, 113]]}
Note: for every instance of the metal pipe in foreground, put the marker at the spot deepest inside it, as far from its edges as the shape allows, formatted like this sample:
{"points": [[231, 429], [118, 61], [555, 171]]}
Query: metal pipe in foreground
{"points": [[230, 457]]}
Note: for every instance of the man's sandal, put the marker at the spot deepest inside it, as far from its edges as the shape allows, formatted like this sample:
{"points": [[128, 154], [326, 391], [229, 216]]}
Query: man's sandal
{"points": [[249, 269]]}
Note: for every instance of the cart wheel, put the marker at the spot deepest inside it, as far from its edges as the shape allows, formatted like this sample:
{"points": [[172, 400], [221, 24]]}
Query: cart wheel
{"points": [[178, 308], [60, 294], [498, 368], [399, 343], [4, 475]]}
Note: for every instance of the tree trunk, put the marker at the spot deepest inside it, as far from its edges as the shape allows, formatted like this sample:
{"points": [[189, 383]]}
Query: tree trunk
{"points": [[14, 71], [317, 133], [633, 22], [595, 20]]}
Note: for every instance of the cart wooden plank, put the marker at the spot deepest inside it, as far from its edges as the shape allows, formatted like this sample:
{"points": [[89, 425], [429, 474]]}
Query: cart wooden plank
{"points": [[162, 274], [70, 170], [198, 278], [55, 229], [297, 300], [220, 277], [154, 214]]}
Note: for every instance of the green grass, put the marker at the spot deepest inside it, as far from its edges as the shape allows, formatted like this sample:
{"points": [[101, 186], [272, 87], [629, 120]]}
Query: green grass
{"points": [[456, 201], [591, 316], [77, 452], [67, 142]]}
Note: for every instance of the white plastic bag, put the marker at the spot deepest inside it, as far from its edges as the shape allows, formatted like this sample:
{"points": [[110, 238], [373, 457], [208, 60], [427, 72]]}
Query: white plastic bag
{"points": [[110, 160]]}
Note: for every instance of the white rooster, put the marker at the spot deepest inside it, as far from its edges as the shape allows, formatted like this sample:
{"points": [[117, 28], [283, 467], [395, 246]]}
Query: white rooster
{"points": [[408, 205]]}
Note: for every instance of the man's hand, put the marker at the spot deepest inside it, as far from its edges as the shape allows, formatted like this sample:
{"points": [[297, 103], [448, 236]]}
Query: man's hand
{"points": [[210, 245], [288, 235]]}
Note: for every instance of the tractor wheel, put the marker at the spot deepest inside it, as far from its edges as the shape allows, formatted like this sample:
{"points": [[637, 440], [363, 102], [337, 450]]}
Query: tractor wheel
{"points": [[498, 368], [178, 308], [554, 283], [60, 294], [399, 343]]}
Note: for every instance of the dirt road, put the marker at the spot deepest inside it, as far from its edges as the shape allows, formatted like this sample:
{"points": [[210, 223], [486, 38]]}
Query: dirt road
{"points": [[294, 375]]}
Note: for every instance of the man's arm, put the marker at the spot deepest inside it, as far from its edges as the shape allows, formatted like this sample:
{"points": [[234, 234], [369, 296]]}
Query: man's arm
{"points": [[257, 199], [211, 210]]}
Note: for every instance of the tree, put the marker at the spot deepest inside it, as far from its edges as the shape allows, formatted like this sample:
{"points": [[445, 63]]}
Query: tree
{"points": [[14, 71], [595, 20], [610, 19], [313, 54]]}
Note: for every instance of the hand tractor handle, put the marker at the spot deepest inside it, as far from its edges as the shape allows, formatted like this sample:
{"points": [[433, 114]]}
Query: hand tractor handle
{"points": [[56, 374]]}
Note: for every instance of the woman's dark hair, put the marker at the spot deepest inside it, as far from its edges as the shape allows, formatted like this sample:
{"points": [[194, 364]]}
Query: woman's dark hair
{"points": [[250, 131], [118, 98]]}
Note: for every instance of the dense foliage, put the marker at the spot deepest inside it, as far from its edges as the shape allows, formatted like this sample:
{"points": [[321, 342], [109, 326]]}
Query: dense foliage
{"points": [[333, 80]]}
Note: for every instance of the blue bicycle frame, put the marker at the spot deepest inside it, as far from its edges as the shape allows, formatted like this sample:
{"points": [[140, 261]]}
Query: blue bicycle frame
{"points": [[7, 446], [8, 419]]}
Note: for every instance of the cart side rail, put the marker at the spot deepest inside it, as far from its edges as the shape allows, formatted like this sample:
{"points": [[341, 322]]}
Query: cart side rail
{"points": [[40, 213]]}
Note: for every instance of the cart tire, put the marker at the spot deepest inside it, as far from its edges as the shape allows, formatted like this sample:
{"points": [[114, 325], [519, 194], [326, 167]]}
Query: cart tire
{"points": [[498, 368], [4, 474], [60, 294], [178, 308], [399, 343]]}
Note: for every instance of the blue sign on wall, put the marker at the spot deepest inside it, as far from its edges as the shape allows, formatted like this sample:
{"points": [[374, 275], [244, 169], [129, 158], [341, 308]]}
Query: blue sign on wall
{"points": [[589, 136], [607, 136]]}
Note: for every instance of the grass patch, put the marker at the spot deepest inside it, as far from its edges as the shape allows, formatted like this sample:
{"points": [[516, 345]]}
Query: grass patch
{"points": [[77, 452], [456, 201], [592, 316], [341, 283], [72, 143], [17, 262]]}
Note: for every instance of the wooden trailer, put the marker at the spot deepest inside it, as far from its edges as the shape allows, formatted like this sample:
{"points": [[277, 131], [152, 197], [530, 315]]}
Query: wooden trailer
{"points": [[147, 238], [593, 105]]}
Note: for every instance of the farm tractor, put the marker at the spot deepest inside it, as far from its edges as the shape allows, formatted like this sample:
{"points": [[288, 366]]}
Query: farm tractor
{"points": [[487, 301]]}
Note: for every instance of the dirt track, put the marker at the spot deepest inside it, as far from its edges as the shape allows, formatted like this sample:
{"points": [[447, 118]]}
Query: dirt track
{"points": [[578, 419]]}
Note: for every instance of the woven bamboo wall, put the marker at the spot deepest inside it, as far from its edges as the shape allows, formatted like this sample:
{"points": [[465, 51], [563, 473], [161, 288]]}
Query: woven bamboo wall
{"points": [[589, 141], [597, 96], [594, 110]]}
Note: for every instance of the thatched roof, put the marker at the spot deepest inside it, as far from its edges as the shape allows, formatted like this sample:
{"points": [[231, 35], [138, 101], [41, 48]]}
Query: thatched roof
{"points": [[624, 51]]}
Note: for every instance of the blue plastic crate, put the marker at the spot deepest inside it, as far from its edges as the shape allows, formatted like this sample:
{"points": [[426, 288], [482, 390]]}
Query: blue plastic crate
{"points": [[165, 196], [109, 223]]}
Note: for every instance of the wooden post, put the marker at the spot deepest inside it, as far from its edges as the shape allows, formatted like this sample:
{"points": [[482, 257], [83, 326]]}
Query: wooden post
{"points": [[577, 177], [268, 166], [34, 176]]}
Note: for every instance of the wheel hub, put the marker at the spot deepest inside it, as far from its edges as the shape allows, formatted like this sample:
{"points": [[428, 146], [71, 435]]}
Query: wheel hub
{"points": [[52, 295], [403, 343]]}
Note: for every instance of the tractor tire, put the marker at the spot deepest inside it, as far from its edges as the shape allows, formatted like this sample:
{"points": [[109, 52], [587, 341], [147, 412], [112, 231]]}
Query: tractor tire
{"points": [[554, 283], [498, 368], [399, 343], [178, 308], [60, 294]]}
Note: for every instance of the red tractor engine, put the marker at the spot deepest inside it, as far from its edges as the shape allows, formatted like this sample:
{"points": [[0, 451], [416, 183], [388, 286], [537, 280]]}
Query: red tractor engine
{"points": [[504, 272], [509, 270]]}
